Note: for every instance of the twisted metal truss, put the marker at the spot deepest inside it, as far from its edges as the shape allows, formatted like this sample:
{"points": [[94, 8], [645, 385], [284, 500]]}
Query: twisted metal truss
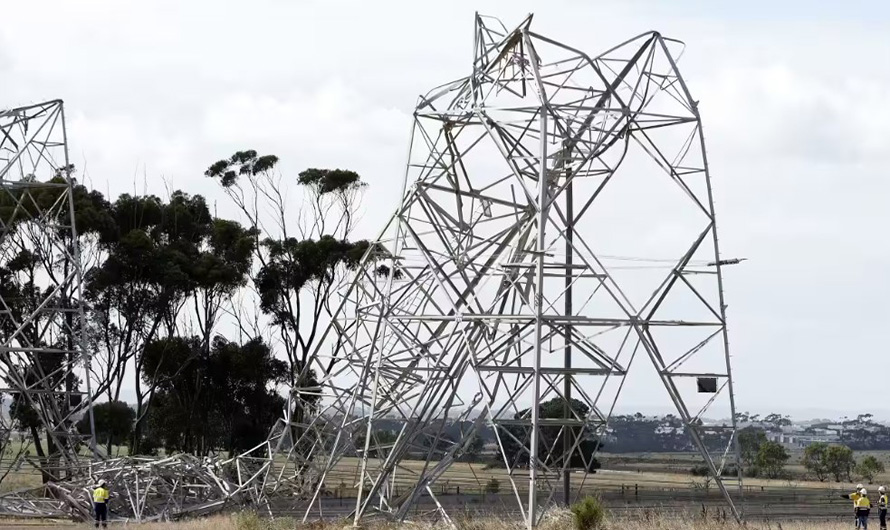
{"points": [[496, 293], [41, 314], [148, 489]]}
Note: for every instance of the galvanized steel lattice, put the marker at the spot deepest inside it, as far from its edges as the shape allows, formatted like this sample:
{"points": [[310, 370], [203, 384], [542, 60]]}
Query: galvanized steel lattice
{"points": [[494, 293]]}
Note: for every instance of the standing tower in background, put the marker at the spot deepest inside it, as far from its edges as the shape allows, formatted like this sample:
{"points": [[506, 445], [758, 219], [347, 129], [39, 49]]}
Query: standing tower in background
{"points": [[42, 340]]}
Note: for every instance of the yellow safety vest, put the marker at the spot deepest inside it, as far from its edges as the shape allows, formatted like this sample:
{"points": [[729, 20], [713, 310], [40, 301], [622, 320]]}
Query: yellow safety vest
{"points": [[863, 502], [100, 495], [882, 502]]}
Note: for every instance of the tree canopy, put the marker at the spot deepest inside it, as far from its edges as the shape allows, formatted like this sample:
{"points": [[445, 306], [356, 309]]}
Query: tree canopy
{"points": [[213, 399], [515, 438], [161, 277]]}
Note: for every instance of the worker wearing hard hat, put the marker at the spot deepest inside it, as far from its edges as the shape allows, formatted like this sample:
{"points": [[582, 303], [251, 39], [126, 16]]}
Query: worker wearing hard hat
{"points": [[854, 497], [100, 504], [863, 507], [882, 507]]}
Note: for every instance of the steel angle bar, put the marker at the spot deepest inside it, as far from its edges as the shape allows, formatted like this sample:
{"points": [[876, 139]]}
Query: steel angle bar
{"points": [[667, 284], [695, 349], [707, 405], [658, 157]]}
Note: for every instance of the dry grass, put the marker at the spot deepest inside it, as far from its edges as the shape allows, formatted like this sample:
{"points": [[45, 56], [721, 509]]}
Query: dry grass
{"points": [[649, 470], [554, 520], [472, 477]]}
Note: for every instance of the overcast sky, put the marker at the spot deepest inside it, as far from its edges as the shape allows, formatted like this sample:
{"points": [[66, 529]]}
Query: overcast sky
{"points": [[794, 98]]}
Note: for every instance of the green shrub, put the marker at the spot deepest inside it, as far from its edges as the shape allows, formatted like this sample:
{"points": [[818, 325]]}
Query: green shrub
{"points": [[493, 486], [589, 514], [704, 471], [699, 471]]}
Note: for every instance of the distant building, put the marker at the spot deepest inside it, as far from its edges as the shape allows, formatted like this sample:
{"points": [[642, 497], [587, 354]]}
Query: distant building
{"points": [[797, 437]]}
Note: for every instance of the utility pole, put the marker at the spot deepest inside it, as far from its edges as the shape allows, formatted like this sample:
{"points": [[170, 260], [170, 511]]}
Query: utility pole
{"points": [[567, 390], [540, 247]]}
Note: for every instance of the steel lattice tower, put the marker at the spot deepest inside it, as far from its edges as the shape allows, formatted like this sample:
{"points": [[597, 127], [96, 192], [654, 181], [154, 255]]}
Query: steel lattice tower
{"points": [[495, 293], [42, 342]]}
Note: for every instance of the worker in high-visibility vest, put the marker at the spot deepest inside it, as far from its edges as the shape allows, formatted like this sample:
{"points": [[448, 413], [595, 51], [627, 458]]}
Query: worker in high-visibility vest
{"points": [[854, 497], [882, 507], [863, 507], [100, 504]]}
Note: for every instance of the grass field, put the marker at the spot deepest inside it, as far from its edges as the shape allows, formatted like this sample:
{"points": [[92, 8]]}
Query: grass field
{"points": [[664, 471], [658, 484], [644, 470], [682, 462], [555, 520]]}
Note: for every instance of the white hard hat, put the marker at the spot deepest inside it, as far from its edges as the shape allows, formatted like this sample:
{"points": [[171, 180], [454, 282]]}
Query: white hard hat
{"points": [[859, 486], [863, 492], [881, 489], [102, 482]]}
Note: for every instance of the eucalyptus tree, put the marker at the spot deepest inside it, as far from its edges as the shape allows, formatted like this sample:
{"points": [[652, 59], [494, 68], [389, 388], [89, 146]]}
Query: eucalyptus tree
{"points": [[301, 254]]}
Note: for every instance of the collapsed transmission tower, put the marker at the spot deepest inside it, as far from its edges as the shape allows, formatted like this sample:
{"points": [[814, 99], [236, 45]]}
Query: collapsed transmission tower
{"points": [[497, 306], [510, 295], [41, 312]]}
